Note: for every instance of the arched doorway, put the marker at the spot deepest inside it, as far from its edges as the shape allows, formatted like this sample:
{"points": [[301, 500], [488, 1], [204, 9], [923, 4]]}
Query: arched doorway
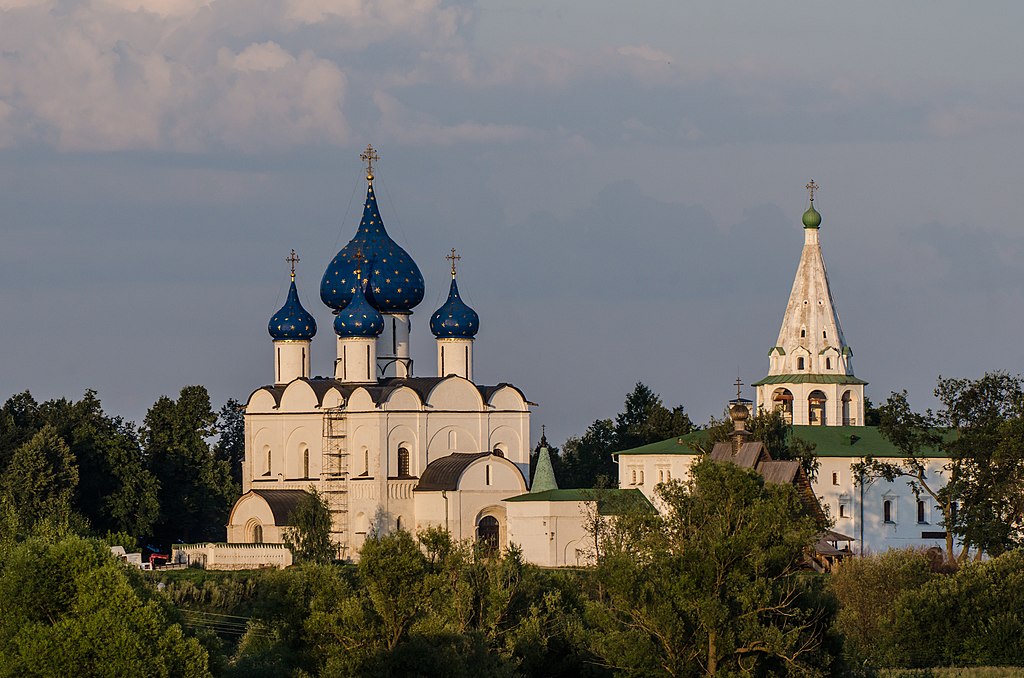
{"points": [[255, 533], [487, 533], [783, 401], [816, 408]]}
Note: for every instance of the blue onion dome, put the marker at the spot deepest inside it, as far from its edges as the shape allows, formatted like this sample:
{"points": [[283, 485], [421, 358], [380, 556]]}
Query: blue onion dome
{"points": [[359, 318], [292, 321], [398, 283], [454, 318]]}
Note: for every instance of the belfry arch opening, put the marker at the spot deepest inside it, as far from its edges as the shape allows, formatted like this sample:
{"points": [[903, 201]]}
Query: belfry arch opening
{"points": [[782, 399], [847, 406], [816, 401]]}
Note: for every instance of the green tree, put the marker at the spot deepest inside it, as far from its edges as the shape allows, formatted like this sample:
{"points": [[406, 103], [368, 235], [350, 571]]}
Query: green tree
{"points": [[196, 492], [867, 590], [980, 432], [230, 445], [70, 609], [392, 570], [645, 419], [587, 461], [115, 491], [309, 538], [39, 484], [714, 583]]}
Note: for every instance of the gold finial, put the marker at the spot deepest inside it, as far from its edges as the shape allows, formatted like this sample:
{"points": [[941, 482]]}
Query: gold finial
{"points": [[369, 156], [811, 188], [292, 259], [453, 257], [739, 388]]}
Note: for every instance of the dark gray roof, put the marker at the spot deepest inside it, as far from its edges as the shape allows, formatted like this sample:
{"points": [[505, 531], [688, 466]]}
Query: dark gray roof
{"points": [[281, 502], [444, 473], [749, 456], [779, 472]]}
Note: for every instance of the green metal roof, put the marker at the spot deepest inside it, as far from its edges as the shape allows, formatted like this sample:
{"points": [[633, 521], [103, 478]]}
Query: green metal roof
{"points": [[809, 379], [544, 474], [829, 441], [781, 350], [610, 501]]}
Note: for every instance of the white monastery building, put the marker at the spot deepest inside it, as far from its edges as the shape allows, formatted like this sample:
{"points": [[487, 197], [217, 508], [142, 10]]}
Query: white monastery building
{"points": [[810, 379]]}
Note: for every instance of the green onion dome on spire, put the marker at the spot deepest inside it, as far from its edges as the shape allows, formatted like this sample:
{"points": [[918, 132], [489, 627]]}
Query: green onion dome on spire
{"points": [[811, 217], [398, 284]]}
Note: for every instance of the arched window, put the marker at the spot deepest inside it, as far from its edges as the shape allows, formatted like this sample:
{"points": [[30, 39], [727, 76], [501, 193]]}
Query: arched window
{"points": [[452, 441], [800, 363], [487, 533], [366, 462], [783, 400], [305, 463], [842, 510], [887, 511], [403, 463], [920, 512], [257, 534], [816, 408], [270, 467], [398, 523], [828, 363], [641, 477], [803, 332], [847, 402], [634, 476]]}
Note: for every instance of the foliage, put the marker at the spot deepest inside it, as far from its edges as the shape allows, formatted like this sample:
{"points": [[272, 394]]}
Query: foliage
{"points": [[230, 446], [867, 590], [71, 609], [196, 491], [38, 485], [586, 461], [114, 491], [309, 538], [713, 583], [971, 618]]}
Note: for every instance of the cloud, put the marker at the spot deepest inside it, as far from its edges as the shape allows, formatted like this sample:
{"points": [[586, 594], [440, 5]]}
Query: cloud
{"points": [[193, 75], [397, 122]]}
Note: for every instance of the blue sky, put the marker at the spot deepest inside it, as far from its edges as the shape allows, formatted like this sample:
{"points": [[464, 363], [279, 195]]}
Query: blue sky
{"points": [[623, 180]]}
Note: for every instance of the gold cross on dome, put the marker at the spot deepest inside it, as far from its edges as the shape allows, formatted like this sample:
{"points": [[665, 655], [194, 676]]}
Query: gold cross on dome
{"points": [[811, 188], [292, 259], [369, 156], [739, 388], [453, 257], [359, 265]]}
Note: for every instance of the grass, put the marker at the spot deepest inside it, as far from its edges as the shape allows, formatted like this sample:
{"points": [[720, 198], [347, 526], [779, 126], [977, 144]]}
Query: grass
{"points": [[975, 672]]}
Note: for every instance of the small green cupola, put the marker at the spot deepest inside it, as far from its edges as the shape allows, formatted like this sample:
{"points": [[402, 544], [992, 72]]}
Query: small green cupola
{"points": [[811, 218], [544, 474]]}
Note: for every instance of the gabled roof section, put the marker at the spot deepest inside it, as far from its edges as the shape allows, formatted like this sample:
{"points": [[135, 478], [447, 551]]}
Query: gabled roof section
{"points": [[610, 501], [748, 456]]}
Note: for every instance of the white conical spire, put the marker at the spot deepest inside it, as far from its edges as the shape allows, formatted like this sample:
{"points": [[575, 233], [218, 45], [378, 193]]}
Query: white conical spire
{"points": [[810, 372]]}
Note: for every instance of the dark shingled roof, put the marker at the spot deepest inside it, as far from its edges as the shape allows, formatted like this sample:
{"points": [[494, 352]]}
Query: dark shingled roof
{"points": [[749, 456], [444, 473], [779, 472], [281, 502]]}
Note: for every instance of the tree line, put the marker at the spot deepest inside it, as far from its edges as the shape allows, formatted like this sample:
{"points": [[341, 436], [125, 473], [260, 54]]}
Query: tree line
{"points": [[69, 467]]}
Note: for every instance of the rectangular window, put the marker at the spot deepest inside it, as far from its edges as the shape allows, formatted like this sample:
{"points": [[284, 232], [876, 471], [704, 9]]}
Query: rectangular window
{"points": [[487, 473], [887, 513], [921, 517], [842, 511], [835, 477], [799, 363]]}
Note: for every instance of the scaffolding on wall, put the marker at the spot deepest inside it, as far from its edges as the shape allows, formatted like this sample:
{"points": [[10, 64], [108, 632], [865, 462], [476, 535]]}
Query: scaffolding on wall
{"points": [[334, 476]]}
